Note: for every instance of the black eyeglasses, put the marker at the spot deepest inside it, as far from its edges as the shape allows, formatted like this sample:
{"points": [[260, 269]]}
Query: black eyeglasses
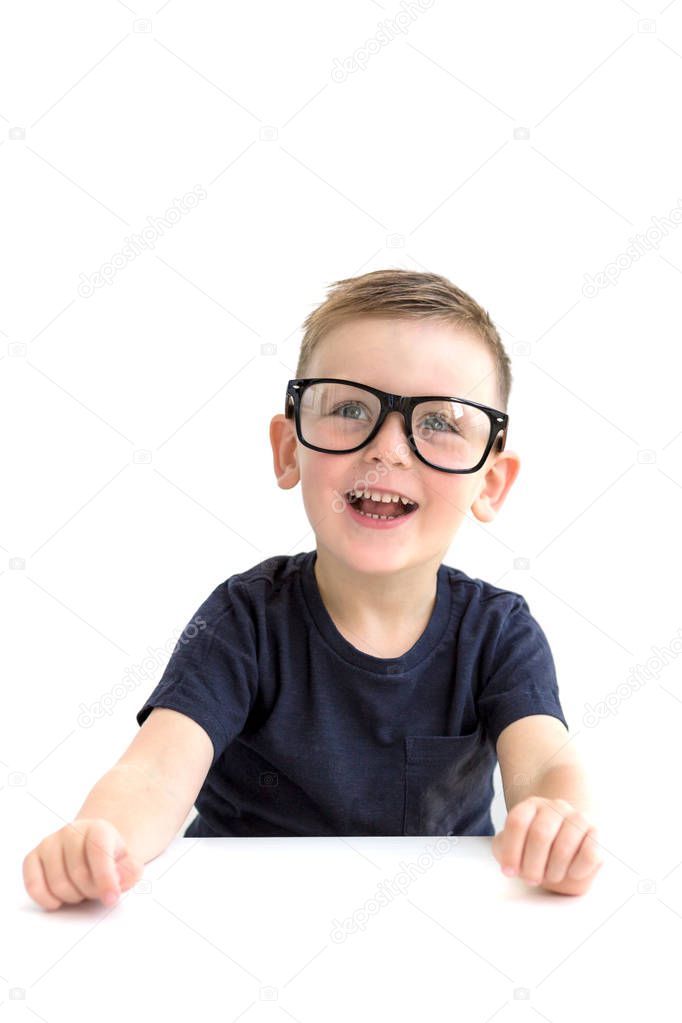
{"points": [[458, 438]]}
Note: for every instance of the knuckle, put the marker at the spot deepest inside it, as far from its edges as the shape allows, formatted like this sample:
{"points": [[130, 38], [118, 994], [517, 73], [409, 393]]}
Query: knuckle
{"points": [[28, 865], [33, 887], [63, 889], [543, 829], [80, 875], [592, 860], [559, 856]]}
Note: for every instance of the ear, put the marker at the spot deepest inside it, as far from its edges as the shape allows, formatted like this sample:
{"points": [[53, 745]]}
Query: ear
{"points": [[284, 453], [497, 482]]}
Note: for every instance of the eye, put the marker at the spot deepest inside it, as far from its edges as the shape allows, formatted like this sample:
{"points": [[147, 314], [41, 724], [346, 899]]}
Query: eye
{"points": [[348, 405], [442, 422]]}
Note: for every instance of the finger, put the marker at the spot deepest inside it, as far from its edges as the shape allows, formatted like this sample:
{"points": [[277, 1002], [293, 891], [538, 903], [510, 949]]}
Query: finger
{"points": [[56, 877], [565, 847], [544, 828], [496, 846], [513, 838], [76, 863], [588, 859], [101, 846], [35, 883], [129, 871]]}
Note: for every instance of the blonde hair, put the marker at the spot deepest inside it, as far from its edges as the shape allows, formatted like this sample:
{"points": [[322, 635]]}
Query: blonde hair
{"points": [[398, 293]]}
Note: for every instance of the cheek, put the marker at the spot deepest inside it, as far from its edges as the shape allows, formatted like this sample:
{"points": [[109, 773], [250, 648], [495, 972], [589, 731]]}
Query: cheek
{"points": [[451, 501], [318, 481]]}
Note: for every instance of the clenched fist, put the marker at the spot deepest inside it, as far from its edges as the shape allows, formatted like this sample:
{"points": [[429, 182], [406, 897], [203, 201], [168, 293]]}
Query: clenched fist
{"points": [[87, 859], [549, 842]]}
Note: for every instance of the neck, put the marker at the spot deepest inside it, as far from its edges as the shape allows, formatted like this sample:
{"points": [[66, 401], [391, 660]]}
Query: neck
{"points": [[371, 603]]}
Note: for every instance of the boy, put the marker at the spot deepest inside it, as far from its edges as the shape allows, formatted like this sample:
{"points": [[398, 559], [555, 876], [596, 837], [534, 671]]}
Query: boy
{"points": [[365, 687]]}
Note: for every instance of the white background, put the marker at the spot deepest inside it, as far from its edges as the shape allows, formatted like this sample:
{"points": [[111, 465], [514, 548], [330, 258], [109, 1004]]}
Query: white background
{"points": [[515, 148]]}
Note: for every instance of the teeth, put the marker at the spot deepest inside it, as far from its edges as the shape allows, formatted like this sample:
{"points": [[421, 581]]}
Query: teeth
{"points": [[384, 498], [377, 516]]}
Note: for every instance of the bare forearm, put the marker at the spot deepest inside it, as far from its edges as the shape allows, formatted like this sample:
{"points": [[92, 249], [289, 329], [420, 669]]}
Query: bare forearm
{"points": [[565, 781], [144, 812]]}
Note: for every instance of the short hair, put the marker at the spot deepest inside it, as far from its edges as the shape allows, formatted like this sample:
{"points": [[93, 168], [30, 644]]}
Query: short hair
{"points": [[403, 293]]}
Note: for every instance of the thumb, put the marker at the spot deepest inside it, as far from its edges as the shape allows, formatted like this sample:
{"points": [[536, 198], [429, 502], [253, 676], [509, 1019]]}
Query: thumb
{"points": [[129, 869]]}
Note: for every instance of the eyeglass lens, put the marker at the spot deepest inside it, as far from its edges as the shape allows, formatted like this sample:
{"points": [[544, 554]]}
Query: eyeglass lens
{"points": [[449, 434]]}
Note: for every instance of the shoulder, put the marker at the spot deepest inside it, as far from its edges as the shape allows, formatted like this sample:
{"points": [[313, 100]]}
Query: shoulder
{"points": [[492, 621], [254, 587], [479, 593]]}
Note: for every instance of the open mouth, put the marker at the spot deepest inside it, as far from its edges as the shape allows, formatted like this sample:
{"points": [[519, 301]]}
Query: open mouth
{"points": [[392, 509]]}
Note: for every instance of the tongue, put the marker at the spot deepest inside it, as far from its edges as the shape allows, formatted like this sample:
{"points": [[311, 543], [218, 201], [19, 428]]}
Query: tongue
{"points": [[380, 507]]}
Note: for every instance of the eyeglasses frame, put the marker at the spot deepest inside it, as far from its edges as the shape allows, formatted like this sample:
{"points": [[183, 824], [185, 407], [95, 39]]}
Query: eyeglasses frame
{"points": [[404, 404]]}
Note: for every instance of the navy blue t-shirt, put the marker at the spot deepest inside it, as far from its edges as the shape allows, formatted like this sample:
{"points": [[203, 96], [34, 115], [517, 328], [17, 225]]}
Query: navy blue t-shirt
{"points": [[312, 736]]}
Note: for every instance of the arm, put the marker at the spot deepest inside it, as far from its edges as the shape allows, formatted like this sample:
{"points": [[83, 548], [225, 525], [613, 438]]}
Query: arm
{"points": [[548, 837], [151, 789], [536, 759]]}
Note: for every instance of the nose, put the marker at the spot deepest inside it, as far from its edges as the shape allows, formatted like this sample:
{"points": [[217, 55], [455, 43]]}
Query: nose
{"points": [[391, 441]]}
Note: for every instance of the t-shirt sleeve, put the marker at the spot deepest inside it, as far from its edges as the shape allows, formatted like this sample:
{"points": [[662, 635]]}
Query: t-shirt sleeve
{"points": [[212, 674], [521, 678]]}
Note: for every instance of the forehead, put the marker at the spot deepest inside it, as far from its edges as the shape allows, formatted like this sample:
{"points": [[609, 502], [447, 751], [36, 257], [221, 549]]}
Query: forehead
{"points": [[407, 356]]}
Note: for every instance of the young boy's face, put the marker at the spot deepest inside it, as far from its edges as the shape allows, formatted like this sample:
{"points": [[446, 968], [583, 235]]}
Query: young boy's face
{"points": [[403, 356]]}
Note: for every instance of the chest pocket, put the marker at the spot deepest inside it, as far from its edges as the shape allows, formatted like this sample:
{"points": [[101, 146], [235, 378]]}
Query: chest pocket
{"points": [[448, 784]]}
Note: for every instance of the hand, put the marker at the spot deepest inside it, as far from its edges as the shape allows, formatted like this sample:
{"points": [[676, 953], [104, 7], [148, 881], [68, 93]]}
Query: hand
{"points": [[87, 859], [551, 843]]}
